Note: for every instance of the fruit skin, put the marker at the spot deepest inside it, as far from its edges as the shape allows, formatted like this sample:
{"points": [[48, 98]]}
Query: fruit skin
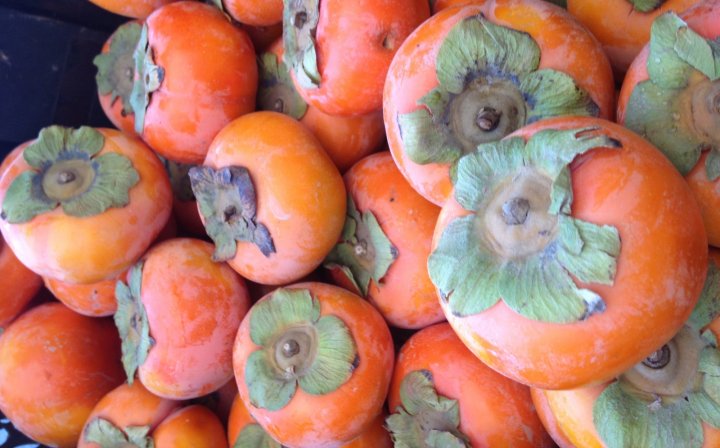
{"points": [[353, 65], [405, 296], [18, 285], [255, 12], [55, 365], [494, 410], [660, 271], [130, 405], [335, 418], [566, 46], [87, 250], [621, 29], [138, 9], [304, 210], [194, 308], [90, 299], [204, 87], [191, 427]]}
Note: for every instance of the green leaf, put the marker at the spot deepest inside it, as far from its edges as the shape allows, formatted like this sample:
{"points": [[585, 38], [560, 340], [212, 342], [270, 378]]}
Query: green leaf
{"points": [[625, 421], [404, 430], [116, 68], [59, 142], [132, 322], [334, 360], [707, 307], [709, 365], [646, 5], [149, 78], [441, 439], [25, 199], [705, 408], [107, 435], [599, 246], [253, 436], [300, 19], [712, 164], [665, 67], [550, 93], [426, 142], [364, 249], [276, 91], [227, 202], [283, 309], [697, 52], [267, 388]]}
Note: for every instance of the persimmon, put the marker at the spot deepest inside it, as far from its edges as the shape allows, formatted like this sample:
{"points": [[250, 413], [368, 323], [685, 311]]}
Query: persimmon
{"points": [[55, 365], [671, 96], [178, 316], [254, 12], [442, 395], [114, 199], [669, 399], [386, 242], [191, 427], [138, 9], [184, 93], [345, 139], [579, 233], [313, 364], [270, 197], [263, 36], [128, 413], [622, 26], [473, 74], [339, 51]]}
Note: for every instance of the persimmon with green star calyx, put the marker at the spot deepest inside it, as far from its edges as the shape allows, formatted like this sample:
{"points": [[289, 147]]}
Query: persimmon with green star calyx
{"points": [[474, 74], [580, 233], [671, 96], [271, 199], [313, 364], [671, 396], [82, 205], [442, 396], [339, 52], [177, 317], [386, 242], [195, 72]]}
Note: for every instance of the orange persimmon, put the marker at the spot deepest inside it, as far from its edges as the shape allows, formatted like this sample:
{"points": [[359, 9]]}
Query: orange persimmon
{"points": [[255, 12], [18, 285], [138, 9], [191, 427]]}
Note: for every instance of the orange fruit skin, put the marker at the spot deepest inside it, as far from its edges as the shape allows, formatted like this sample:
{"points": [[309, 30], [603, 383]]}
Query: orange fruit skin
{"points": [[333, 419], [304, 209], [130, 405], [405, 295], [239, 418], [90, 299], [263, 36], [703, 18], [55, 365], [353, 65], [191, 427], [194, 307], [18, 285], [255, 12], [494, 411], [138, 9], [660, 270], [204, 87], [565, 45], [100, 247]]}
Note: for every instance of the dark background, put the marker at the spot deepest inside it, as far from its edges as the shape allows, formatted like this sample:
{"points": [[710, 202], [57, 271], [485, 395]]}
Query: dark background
{"points": [[47, 77]]}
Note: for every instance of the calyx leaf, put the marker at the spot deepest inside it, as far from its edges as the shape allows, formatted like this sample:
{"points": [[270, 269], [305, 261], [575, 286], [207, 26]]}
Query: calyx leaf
{"points": [[364, 250], [179, 179], [148, 79], [107, 435], [132, 322], [116, 68], [425, 419], [667, 109], [646, 5], [226, 199], [298, 347], [69, 172], [276, 91], [520, 245], [300, 20], [708, 305], [253, 436], [489, 86]]}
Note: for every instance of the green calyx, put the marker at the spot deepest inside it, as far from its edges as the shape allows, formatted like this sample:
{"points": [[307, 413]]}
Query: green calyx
{"points": [[253, 436], [179, 179], [107, 435], [298, 348], [68, 172], [300, 20], [520, 244], [646, 5], [662, 401], [364, 252], [425, 419], [116, 68], [276, 91], [132, 322], [489, 86], [227, 202], [678, 107], [149, 78]]}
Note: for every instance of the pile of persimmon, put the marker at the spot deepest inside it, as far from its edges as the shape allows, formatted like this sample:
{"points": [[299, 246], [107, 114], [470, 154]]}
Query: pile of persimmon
{"points": [[463, 223]]}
